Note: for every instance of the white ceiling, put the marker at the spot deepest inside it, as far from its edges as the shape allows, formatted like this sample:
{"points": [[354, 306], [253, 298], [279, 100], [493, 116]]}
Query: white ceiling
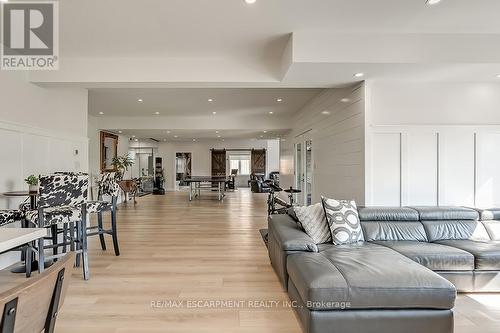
{"points": [[194, 102], [212, 28], [199, 135]]}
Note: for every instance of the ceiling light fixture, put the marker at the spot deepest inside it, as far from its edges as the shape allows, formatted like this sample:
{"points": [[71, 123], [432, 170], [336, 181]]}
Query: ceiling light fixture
{"points": [[345, 100], [264, 131], [359, 74], [194, 139], [498, 76], [325, 112], [157, 113], [432, 2], [168, 132], [176, 136], [271, 112], [101, 113], [214, 113], [164, 140], [136, 140], [120, 132], [140, 100], [218, 136], [261, 136], [216, 132], [210, 100], [279, 100], [250, 2], [133, 136]]}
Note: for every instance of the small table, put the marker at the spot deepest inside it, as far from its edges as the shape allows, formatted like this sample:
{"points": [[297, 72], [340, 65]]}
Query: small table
{"points": [[32, 194], [197, 183], [10, 238]]}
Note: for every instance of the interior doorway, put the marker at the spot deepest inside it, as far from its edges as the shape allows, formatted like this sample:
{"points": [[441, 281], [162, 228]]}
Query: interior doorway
{"points": [[303, 162]]}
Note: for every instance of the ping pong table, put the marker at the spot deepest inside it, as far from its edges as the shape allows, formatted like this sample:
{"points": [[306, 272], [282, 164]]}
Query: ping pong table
{"points": [[207, 183]]}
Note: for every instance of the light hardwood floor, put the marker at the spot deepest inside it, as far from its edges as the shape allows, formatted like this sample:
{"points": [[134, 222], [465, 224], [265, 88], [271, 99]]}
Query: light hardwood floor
{"points": [[177, 250]]}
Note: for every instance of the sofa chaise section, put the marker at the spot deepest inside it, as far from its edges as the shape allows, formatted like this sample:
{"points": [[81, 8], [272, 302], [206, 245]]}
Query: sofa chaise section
{"points": [[358, 284]]}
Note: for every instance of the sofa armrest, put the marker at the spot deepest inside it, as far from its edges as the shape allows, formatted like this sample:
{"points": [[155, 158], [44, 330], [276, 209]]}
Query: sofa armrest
{"points": [[288, 234]]}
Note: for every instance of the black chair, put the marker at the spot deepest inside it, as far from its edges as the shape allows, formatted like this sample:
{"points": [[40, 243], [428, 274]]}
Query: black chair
{"points": [[107, 186], [231, 183]]}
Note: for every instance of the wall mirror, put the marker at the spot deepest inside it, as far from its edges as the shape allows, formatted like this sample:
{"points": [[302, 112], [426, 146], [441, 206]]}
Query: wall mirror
{"points": [[109, 147]]}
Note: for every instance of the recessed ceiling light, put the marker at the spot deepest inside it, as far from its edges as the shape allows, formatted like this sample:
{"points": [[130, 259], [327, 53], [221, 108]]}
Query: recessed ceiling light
{"points": [[432, 2], [157, 113], [345, 100], [101, 112], [279, 100], [216, 132], [222, 139], [120, 132], [498, 76], [176, 136], [133, 136], [250, 2], [164, 140], [140, 100], [210, 100], [218, 136], [261, 136], [214, 113], [194, 139], [168, 132], [325, 112], [264, 131], [271, 112], [359, 74]]}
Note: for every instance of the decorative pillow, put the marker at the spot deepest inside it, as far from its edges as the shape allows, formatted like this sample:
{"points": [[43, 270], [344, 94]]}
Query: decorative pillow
{"points": [[343, 220], [312, 220]]}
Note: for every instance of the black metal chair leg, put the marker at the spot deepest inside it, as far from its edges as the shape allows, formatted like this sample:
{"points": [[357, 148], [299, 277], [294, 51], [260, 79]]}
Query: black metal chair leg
{"points": [[78, 243], [65, 237], [100, 229], [41, 256], [114, 235], [53, 234], [85, 256], [28, 258]]}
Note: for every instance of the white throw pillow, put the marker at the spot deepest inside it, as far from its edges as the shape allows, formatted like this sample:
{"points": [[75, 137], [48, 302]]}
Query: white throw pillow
{"points": [[313, 221], [343, 220]]}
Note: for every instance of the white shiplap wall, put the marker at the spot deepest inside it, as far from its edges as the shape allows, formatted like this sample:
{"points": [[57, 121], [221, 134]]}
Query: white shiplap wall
{"points": [[338, 141]]}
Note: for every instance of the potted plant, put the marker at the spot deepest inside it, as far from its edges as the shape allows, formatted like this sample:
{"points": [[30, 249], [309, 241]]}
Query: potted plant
{"points": [[121, 164], [32, 182]]}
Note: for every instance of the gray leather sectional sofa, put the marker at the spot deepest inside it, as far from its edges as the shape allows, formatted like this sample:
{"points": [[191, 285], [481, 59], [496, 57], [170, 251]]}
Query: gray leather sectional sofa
{"points": [[402, 278]]}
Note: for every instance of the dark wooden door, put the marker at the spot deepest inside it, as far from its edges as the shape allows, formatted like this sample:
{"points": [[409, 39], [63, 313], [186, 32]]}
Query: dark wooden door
{"points": [[219, 162], [258, 161]]}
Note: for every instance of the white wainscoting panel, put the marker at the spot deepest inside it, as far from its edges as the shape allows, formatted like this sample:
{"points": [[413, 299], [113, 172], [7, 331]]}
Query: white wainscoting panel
{"points": [[456, 167], [488, 170], [419, 164], [385, 169]]}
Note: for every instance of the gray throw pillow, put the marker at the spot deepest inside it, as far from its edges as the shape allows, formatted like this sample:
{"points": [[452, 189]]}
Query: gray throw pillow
{"points": [[343, 220], [312, 220]]}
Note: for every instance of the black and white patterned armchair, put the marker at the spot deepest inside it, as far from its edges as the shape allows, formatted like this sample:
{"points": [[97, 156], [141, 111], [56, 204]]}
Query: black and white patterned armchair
{"points": [[62, 202], [107, 187], [10, 216]]}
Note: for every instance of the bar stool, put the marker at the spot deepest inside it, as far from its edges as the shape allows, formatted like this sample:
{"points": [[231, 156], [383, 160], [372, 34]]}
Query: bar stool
{"points": [[62, 201], [107, 186]]}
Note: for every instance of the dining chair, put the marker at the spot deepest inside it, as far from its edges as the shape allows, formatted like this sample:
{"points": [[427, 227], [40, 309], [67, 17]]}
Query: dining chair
{"points": [[62, 202], [107, 187], [33, 306], [8, 217]]}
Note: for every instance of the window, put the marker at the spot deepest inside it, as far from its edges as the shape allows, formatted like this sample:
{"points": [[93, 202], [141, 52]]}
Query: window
{"points": [[241, 162]]}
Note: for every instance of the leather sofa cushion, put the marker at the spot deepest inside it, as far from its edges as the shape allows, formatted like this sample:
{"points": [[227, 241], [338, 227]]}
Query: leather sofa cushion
{"points": [[434, 256], [432, 213], [288, 234], [493, 229], [387, 214], [486, 254], [455, 229], [489, 214], [393, 231], [367, 276]]}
